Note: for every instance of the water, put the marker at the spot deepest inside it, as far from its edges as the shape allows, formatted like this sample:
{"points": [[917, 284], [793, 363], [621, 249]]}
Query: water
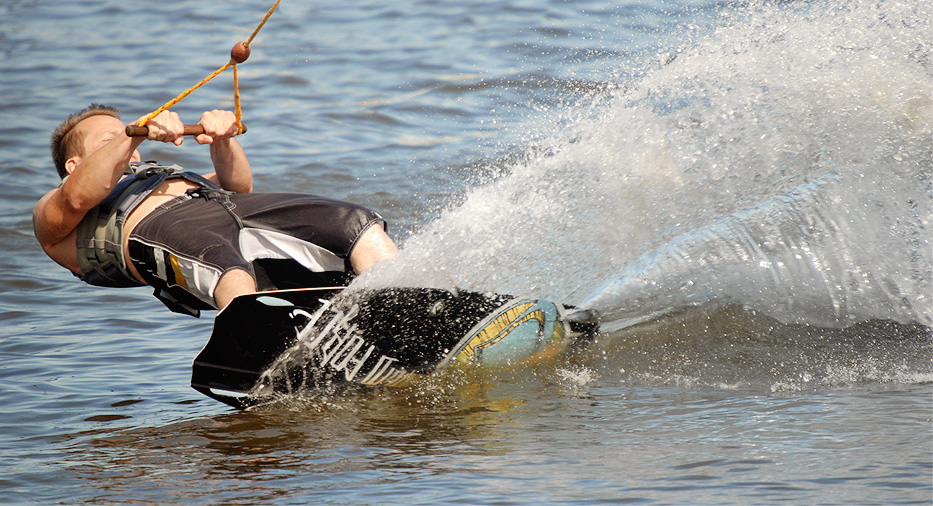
{"points": [[742, 191]]}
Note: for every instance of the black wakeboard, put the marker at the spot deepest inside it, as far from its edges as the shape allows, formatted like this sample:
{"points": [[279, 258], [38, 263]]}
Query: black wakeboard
{"points": [[282, 341]]}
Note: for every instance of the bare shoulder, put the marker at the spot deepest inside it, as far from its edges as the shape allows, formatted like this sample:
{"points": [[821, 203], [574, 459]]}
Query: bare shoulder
{"points": [[38, 212], [59, 244], [52, 221]]}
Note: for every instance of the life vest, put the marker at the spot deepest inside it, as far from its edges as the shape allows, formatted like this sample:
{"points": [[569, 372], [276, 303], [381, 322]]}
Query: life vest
{"points": [[100, 234]]}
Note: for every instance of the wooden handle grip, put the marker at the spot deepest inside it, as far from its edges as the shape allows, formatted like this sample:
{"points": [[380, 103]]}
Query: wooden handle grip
{"points": [[142, 131]]}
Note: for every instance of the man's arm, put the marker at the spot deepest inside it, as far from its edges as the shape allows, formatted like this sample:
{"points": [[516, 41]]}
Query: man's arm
{"points": [[230, 163], [62, 209], [93, 176]]}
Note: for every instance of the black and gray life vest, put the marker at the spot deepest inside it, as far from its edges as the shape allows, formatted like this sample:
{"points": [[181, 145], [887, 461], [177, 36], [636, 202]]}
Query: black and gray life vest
{"points": [[100, 234]]}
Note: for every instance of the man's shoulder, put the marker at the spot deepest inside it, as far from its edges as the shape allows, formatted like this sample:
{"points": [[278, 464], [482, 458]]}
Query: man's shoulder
{"points": [[43, 203]]}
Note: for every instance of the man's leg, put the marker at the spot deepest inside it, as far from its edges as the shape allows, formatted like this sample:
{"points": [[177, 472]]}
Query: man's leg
{"points": [[233, 283], [373, 246]]}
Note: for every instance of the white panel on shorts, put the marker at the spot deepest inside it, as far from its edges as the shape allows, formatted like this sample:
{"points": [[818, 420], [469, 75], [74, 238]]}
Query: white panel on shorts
{"points": [[198, 279], [256, 243]]}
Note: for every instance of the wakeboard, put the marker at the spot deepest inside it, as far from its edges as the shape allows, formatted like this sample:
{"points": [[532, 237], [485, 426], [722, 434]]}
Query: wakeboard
{"points": [[283, 341]]}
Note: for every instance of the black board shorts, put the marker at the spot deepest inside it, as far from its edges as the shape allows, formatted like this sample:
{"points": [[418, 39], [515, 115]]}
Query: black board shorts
{"points": [[282, 240]]}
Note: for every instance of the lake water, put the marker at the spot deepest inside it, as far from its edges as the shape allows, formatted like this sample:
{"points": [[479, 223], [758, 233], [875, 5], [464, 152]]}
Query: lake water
{"points": [[744, 192]]}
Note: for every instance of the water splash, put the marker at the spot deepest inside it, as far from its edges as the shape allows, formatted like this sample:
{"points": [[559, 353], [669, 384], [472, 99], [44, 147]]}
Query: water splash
{"points": [[784, 162]]}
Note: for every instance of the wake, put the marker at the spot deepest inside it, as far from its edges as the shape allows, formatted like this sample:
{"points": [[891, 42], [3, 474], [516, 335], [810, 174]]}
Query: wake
{"points": [[782, 163]]}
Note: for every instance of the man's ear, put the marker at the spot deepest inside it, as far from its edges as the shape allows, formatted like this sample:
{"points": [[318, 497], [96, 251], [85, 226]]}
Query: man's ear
{"points": [[71, 163]]}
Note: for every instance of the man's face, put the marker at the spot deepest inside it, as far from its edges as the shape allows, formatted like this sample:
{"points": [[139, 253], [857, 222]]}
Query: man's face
{"points": [[97, 131]]}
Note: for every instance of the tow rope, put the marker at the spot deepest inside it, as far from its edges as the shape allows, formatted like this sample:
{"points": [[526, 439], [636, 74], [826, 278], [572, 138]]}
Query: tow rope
{"points": [[238, 54]]}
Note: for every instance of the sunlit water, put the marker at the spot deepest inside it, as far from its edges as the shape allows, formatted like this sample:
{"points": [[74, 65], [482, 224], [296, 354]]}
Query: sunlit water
{"points": [[743, 193]]}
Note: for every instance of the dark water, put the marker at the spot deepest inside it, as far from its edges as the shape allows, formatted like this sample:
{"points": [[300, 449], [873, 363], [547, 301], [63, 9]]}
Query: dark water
{"points": [[744, 192]]}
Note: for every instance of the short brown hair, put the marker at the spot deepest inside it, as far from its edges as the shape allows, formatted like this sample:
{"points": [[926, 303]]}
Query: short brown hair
{"points": [[64, 145]]}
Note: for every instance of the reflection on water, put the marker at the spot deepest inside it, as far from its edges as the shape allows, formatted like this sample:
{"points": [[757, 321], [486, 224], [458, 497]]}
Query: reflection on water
{"points": [[599, 427], [700, 400], [314, 442]]}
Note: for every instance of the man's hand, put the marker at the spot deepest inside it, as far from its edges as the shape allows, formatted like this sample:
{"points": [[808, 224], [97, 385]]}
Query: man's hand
{"points": [[217, 125], [166, 127]]}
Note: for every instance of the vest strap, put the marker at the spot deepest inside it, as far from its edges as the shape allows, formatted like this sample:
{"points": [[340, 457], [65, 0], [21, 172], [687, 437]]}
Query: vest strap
{"points": [[100, 234]]}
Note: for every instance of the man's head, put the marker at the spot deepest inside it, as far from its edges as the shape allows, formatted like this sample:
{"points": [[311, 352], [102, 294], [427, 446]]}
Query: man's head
{"points": [[74, 136]]}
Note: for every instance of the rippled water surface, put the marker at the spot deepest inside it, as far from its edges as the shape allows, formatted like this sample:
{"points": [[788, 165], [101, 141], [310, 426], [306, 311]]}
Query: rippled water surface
{"points": [[743, 192]]}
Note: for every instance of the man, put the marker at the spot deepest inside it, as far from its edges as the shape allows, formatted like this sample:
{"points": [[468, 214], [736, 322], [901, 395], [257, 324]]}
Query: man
{"points": [[200, 241]]}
